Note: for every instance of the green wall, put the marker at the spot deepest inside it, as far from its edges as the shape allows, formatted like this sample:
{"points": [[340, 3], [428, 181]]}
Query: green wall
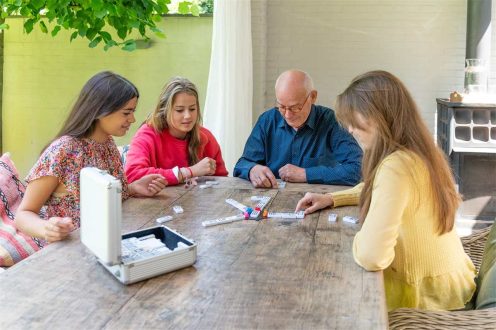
{"points": [[43, 76]]}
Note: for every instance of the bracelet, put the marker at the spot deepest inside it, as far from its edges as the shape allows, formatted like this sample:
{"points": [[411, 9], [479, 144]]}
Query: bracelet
{"points": [[180, 177], [190, 171]]}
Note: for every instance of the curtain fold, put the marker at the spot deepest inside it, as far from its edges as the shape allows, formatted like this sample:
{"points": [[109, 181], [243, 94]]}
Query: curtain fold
{"points": [[228, 104]]}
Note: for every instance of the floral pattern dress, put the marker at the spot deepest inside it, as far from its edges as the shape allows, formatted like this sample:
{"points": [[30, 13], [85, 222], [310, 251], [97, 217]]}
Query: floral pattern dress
{"points": [[64, 159]]}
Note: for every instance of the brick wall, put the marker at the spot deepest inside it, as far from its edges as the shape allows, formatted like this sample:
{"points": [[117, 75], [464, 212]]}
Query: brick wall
{"points": [[422, 42]]}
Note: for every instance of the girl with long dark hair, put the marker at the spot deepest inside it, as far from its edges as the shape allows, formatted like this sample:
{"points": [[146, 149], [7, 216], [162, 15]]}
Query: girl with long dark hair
{"points": [[105, 108]]}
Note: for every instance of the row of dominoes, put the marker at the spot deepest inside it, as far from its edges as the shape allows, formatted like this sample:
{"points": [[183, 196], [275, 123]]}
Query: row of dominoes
{"points": [[220, 221], [239, 217], [287, 215], [236, 204]]}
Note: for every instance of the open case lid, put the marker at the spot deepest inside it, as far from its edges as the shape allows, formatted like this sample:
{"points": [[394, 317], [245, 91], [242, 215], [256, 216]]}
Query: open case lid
{"points": [[101, 206]]}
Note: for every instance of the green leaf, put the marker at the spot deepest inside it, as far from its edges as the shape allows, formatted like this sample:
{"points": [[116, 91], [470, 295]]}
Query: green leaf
{"points": [[157, 8], [183, 7], [111, 10], [109, 44], [142, 30], [55, 30], [65, 24], [156, 18], [73, 36], [4, 26], [195, 10], [28, 25], [121, 11], [82, 30], [38, 4], [25, 11], [129, 45], [95, 42], [97, 4], [101, 13], [18, 2], [43, 27], [99, 24], [160, 35], [163, 6], [51, 15], [105, 35], [134, 24], [122, 33], [91, 33]]}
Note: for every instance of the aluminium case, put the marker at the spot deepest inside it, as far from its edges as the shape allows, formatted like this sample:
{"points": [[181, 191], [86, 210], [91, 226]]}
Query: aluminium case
{"points": [[101, 212]]}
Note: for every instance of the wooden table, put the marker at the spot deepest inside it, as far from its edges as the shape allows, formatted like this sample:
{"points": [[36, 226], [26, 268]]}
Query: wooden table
{"points": [[271, 274]]}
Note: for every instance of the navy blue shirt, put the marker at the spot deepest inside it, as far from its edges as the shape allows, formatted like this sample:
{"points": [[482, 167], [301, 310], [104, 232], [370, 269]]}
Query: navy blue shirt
{"points": [[327, 152]]}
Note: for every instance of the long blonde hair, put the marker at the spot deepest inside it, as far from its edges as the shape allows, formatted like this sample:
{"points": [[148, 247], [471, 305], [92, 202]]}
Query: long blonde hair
{"points": [[161, 118], [382, 98]]}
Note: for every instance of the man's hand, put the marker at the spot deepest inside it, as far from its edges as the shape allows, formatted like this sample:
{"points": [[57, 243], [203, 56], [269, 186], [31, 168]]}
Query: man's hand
{"points": [[292, 173], [262, 177]]}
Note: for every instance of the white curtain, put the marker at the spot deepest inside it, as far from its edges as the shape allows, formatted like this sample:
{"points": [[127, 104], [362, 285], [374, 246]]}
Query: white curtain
{"points": [[228, 104]]}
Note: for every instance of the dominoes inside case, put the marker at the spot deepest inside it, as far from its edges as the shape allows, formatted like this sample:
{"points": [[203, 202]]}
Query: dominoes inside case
{"points": [[134, 256]]}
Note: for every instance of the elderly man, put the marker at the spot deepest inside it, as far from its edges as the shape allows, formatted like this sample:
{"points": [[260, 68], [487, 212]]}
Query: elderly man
{"points": [[299, 141]]}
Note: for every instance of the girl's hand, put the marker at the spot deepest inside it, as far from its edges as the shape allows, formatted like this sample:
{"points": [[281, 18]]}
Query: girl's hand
{"points": [[148, 186], [57, 228], [206, 166], [312, 202]]}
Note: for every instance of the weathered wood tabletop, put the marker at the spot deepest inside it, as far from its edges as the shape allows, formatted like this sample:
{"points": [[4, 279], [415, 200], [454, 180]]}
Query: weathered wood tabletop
{"points": [[270, 274]]}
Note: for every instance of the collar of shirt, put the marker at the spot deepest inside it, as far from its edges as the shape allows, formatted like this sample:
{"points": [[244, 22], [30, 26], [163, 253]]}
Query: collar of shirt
{"points": [[311, 121]]}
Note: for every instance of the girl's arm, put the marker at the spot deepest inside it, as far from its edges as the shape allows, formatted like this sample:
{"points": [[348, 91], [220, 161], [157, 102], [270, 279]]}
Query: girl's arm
{"points": [[27, 219], [373, 246], [147, 186], [347, 197], [312, 202], [141, 158]]}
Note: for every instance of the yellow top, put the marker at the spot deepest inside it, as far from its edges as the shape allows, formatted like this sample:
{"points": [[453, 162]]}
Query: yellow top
{"points": [[421, 269]]}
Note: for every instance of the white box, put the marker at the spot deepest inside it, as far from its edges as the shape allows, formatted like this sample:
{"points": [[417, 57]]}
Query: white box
{"points": [[101, 212]]}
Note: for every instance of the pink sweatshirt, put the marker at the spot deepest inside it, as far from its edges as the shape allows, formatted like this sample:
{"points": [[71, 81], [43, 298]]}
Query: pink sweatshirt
{"points": [[152, 152]]}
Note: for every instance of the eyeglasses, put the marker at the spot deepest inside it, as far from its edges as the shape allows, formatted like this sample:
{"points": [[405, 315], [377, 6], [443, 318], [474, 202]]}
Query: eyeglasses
{"points": [[294, 108]]}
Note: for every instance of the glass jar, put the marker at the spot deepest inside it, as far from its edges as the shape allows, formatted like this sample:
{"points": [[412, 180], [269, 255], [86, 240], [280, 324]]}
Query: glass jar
{"points": [[475, 76]]}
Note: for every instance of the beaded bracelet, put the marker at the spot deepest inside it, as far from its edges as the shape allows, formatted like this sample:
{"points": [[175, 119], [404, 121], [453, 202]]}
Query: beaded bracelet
{"points": [[190, 171]]}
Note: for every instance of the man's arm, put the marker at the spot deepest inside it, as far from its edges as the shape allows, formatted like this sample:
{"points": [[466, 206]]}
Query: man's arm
{"points": [[253, 154], [348, 161]]}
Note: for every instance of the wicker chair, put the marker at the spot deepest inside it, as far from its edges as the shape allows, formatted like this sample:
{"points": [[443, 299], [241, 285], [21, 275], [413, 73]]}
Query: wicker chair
{"points": [[410, 318]]}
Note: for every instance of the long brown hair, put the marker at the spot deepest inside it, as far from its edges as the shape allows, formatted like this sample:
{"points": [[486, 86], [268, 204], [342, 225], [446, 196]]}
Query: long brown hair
{"points": [[383, 99], [105, 93], [161, 118]]}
